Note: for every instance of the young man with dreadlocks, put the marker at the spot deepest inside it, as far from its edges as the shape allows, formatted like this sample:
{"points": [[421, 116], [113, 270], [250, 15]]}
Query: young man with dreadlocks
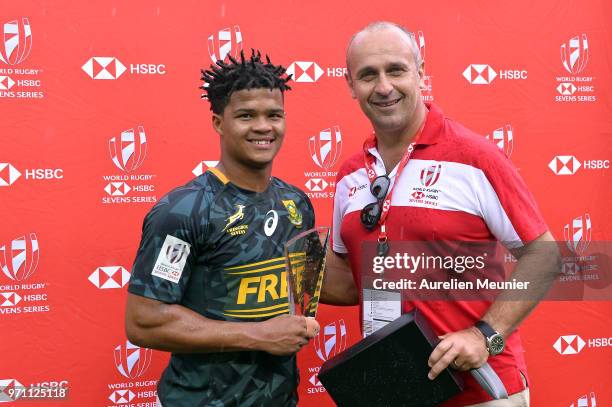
{"points": [[208, 283]]}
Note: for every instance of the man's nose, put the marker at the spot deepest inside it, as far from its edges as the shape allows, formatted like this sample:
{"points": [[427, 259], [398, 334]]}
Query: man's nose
{"points": [[262, 125], [383, 86]]}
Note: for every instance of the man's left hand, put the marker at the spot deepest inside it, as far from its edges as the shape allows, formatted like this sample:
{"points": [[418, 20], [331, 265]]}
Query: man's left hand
{"points": [[463, 350]]}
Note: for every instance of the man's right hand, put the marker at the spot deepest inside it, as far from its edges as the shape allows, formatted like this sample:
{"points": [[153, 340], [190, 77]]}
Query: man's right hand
{"points": [[285, 334]]}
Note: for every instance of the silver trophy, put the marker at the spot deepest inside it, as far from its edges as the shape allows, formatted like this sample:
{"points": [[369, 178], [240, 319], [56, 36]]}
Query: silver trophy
{"points": [[305, 263]]}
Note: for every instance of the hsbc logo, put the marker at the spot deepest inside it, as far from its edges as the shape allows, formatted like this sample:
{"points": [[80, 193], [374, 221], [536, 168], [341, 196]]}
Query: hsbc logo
{"points": [[6, 82], [483, 74], [586, 401], [132, 361], [109, 68], [227, 42], [10, 390], [430, 175], [570, 268], [305, 71], [577, 234], [314, 380], [503, 138], [109, 277], [121, 396], [19, 259], [117, 188], [565, 88], [326, 147], [103, 68], [316, 184], [8, 174], [16, 41], [568, 164], [564, 165], [353, 190], [569, 344], [331, 340], [128, 150], [418, 195], [203, 166], [479, 74], [9, 299], [575, 54]]}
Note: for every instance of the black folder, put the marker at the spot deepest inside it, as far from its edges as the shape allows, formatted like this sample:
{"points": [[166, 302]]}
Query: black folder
{"points": [[389, 368]]}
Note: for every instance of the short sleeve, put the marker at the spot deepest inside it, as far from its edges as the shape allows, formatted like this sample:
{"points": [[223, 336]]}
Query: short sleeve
{"points": [[172, 235], [338, 215], [507, 206]]}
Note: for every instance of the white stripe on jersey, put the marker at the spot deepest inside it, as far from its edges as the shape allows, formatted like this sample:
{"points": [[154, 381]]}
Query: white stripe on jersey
{"points": [[459, 187]]}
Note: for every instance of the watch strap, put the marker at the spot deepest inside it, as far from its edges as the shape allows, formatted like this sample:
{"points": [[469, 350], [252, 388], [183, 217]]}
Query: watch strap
{"points": [[486, 329]]}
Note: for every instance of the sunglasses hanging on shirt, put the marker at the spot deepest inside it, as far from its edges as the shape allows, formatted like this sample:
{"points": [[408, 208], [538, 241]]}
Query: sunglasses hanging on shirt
{"points": [[370, 214]]}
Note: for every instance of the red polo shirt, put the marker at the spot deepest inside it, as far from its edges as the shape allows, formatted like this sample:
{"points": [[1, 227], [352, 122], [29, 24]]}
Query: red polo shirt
{"points": [[475, 194]]}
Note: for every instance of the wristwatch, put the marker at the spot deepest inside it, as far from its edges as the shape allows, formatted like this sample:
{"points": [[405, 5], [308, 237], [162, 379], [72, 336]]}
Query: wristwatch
{"points": [[494, 341]]}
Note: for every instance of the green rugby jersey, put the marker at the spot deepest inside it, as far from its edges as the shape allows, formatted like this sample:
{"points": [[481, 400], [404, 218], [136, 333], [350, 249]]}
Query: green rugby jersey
{"points": [[218, 249]]}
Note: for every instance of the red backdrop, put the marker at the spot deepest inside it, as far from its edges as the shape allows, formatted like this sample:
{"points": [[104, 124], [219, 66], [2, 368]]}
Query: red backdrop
{"points": [[77, 77]]}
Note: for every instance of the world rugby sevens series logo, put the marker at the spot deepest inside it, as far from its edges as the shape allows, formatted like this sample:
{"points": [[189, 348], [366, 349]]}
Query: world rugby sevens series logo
{"points": [[503, 139], [325, 147], [16, 41], [331, 340], [132, 361], [176, 252], [575, 54], [128, 150], [430, 175], [19, 259], [227, 42], [577, 234]]}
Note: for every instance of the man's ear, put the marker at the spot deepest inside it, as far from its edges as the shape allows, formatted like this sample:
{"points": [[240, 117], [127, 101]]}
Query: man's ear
{"points": [[217, 122], [349, 82], [421, 73]]}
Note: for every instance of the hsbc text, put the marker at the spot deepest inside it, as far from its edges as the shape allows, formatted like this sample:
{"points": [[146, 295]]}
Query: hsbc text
{"points": [[512, 74], [28, 82], [150, 69], [596, 164], [600, 342], [336, 72], [44, 173]]}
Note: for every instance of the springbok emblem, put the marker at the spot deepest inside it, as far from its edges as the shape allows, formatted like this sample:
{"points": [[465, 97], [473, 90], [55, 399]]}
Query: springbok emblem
{"points": [[239, 215]]}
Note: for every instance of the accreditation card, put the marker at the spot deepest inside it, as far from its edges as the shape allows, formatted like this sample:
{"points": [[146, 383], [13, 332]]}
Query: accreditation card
{"points": [[379, 308]]}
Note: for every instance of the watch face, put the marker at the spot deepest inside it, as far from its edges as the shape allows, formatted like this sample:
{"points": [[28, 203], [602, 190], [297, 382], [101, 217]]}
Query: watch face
{"points": [[496, 344]]}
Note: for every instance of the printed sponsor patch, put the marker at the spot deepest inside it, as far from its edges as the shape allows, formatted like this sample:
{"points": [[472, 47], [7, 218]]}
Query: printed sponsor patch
{"points": [[171, 259]]}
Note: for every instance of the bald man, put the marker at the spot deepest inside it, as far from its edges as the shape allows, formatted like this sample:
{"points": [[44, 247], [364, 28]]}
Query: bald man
{"points": [[480, 198]]}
